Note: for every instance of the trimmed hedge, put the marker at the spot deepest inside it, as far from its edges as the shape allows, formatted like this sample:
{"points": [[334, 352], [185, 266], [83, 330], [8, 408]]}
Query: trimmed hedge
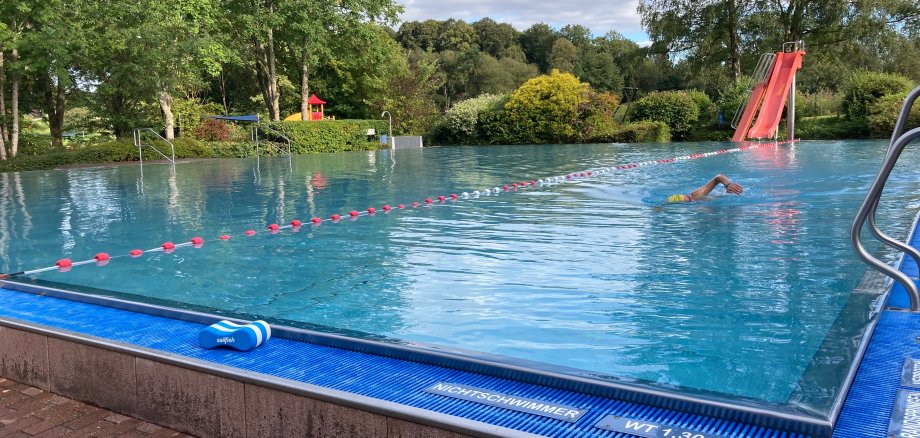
{"points": [[830, 128], [642, 132], [124, 150], [331, 135], [884, 113]]}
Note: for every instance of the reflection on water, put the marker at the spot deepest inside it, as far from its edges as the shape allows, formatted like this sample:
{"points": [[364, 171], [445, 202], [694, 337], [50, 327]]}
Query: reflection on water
{"points": [[734, 295]]}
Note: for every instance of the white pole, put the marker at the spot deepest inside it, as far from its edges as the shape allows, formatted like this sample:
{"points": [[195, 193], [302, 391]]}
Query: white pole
{"points": [[390, 131]]}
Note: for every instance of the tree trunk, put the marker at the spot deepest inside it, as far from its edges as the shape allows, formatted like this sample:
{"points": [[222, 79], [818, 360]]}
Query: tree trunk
{"points": [[168, 120], [223, 90], [3, 134], [54, 105], [275, 112], [14, 108], [733, 39], [305, 87], [268, 79]]}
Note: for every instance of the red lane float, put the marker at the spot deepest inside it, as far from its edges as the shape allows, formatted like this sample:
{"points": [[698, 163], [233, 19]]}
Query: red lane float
{"points": [[101, 257], [386, 207], [273, 227], [441, 198], [64, 263], [168, 246], [316, 221], [296, 223], [224, 237], [335, 217], [353, 213], [428, 200], [250, 232], [415, 204], [401, 206], [371, 210], [197, 241], [136, 253]]}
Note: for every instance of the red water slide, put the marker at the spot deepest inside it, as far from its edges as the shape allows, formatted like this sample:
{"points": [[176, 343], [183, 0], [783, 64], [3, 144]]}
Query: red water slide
{"points": [[774, 98]]}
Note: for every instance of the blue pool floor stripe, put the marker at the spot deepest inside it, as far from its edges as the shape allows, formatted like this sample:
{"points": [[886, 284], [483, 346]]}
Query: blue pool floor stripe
{"points": [[383, 378]]}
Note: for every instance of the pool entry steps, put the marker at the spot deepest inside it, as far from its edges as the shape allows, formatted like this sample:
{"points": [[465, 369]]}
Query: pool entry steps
{"points": [[908, 297]]}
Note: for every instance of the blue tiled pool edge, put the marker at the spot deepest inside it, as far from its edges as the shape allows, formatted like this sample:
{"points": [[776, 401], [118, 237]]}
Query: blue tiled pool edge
{"points": [[180, 348]]}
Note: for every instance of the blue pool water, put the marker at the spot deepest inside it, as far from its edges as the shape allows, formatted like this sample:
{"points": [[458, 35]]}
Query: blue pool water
{"points": [[741, 296]]}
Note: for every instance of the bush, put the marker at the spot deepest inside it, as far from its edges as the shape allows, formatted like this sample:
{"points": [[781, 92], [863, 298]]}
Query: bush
{"points": [[212, 130], [675, 108], [830, 128], [596, 117], [704, 103], [884, 113], [461, 125], [730, 99], [32, 145], [819, 103], [545, 108], [862, 89], [331, 135], [495, 128]]}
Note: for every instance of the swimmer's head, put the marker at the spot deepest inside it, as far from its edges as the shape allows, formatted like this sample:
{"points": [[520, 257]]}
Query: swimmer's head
{"points": [[678, 198]]}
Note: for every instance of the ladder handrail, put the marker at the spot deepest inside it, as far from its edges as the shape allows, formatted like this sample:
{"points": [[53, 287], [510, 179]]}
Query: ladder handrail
{"points": [[869, 207], [764, 65], [274, 132], [139, 144]]}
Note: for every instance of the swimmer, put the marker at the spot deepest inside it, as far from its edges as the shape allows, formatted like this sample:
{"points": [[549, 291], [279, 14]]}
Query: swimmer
{"points": [[701, 192]]}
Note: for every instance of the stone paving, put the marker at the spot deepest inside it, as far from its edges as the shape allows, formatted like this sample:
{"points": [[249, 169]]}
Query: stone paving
{"points": [[30, 412]]}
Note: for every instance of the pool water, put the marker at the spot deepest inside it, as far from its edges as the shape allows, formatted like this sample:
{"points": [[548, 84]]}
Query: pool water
{"points": [[732, 297]]}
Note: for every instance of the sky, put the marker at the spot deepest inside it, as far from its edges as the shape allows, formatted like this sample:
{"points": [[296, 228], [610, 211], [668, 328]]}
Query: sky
{"points": [[600, 17]]}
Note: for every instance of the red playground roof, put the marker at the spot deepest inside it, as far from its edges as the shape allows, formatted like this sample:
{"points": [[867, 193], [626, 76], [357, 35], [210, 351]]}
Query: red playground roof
{"points": [[315, 100]]}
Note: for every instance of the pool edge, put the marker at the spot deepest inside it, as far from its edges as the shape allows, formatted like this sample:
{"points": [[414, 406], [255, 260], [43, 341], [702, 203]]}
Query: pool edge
{"points": [[629, 393]]}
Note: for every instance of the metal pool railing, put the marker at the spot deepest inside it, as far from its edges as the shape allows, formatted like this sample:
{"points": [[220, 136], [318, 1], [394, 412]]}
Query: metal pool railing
{"points": [[867, 211]]}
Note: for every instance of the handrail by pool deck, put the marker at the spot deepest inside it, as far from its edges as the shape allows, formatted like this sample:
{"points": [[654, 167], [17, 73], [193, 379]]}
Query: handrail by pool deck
{"points": [[139, 144], [272, 131], [867, 211]]}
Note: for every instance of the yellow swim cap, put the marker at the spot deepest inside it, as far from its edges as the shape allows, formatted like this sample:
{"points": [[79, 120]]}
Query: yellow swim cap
{"points": [[678, 198]]}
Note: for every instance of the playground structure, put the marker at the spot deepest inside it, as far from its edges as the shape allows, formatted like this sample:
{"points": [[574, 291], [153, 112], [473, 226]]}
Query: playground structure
{"points": [[772, 84], [315, 107]]}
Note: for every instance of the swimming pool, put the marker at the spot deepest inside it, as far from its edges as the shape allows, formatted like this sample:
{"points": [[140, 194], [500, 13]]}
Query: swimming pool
{"points": [[748, 297]]}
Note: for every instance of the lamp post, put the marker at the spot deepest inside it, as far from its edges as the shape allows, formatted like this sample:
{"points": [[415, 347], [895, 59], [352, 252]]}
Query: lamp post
{"points": [[390, 132]]}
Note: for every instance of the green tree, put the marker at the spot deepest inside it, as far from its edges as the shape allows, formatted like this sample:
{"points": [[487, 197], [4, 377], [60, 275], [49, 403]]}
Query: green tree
{"points": [[410, 94], [563, 56], [546, 108], [537, 42], [496, 39], [419, 34], [456, 36], [707, 32]]}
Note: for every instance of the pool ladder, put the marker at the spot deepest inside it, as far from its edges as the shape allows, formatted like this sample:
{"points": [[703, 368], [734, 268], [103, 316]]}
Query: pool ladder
{"points": [[867, 211]]}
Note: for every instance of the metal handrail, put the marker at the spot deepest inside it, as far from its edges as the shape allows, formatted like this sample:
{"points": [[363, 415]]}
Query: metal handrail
{"points": [[869, 207], [139, 144], [759, 75], [272, 131]]}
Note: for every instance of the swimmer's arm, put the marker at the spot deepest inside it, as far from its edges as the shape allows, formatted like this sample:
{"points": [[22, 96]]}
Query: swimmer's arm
{"points": [[707, 188]]}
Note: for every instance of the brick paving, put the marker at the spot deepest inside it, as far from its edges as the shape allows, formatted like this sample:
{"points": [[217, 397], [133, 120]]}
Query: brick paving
{"points": [[30, 412]]}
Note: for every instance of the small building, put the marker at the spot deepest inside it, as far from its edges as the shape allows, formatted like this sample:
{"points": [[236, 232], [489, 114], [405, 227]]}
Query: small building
{"points": [[316, 108]]}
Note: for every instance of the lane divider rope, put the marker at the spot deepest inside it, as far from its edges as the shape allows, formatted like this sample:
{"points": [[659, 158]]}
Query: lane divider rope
{"points": [[102, 259]]}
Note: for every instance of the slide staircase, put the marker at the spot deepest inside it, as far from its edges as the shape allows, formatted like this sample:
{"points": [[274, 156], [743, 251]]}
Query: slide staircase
{"points": [[768, 94]]}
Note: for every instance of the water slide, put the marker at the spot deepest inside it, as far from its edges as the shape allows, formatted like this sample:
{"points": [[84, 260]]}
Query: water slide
{"points": [[774, 95]]}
